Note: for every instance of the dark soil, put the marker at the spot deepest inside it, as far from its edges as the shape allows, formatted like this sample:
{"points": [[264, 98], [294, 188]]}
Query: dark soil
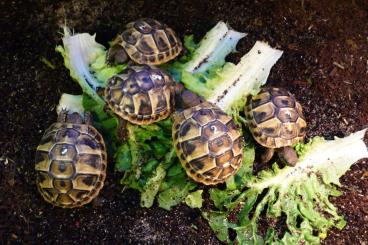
{"points": [[325, 64]]}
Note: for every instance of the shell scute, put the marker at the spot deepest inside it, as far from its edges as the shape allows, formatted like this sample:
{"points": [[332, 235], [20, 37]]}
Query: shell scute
{"points": [[213, 130], [204, 116], [62, 169]]}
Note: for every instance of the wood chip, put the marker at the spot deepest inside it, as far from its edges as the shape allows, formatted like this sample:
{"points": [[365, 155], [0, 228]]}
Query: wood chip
{"points": [[338, 65]]}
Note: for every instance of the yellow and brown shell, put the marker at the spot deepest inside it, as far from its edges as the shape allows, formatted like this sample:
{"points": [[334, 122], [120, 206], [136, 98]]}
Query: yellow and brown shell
{"points": [[275, 118], [70, 164], [141, 94], [148, 41], [208, 143]]}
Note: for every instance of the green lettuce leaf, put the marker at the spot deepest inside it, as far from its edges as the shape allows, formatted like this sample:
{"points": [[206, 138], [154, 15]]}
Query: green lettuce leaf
{"points": [[301, 193], [71, 103], [194, 199]]}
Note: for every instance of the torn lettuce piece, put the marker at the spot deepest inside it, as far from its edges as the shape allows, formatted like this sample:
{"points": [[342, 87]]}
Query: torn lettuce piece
{"points": [[174, 195], [194, 199], [71, 103], [301, 193], [220, 225], [85, 59], [228, 87], [212, 49], [152, 186]]}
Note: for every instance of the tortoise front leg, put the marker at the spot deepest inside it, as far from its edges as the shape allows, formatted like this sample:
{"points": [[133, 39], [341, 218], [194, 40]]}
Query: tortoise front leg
{"points": [[288, 155], [266, 157]]}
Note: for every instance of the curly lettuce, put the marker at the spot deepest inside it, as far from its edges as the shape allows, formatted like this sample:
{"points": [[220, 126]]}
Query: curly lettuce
{"points": [[300, 193]]}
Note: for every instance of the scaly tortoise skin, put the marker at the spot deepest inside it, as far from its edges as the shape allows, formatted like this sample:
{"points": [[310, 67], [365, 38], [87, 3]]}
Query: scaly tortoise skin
{"points": [[275, 118], [141, 94], [70, 162], [208, 143], [148, 41]]}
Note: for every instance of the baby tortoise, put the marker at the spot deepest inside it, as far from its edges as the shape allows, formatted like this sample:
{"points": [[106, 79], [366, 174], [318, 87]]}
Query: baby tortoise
{"points": [[276, 121], [145, 41], [141, 94], [71, 161], [207, 141]]}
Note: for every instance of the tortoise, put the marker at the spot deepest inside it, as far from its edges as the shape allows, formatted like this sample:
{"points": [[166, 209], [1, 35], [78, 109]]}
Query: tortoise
{"points": [[71, 161], [145, 41], [141, 94], [276, 122], [207, 142]]}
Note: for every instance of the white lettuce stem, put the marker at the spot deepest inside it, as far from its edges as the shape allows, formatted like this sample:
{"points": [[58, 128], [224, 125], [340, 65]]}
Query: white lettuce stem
{"points": [[213, 48], [246, 77], [79, 52]]}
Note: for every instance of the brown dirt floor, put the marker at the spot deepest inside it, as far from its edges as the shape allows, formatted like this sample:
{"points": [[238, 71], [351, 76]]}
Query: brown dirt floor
{"points": [[325, 64]]}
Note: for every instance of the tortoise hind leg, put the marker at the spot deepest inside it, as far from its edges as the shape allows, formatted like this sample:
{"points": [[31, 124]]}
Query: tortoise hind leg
{"points": [[288, 155], [266, 157]]}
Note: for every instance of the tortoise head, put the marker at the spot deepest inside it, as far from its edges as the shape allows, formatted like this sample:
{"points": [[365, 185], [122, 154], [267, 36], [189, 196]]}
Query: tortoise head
{"points": [[116, 54], [185, 99], [74, 117]]}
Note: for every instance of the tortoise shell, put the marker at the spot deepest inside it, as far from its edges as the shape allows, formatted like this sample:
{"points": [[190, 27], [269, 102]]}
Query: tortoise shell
{"points": [[148, 41], [208, 143], [141, 94], [275, 118], [70, 164]]}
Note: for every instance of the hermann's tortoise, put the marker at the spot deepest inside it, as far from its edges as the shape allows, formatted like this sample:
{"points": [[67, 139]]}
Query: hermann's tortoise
{"points": [[70, 162], [141, 94], [208, 143], [276, 121], [145, 41]]}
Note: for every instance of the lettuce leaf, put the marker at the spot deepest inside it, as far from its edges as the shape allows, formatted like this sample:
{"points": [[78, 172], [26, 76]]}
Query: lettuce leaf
{"points": [[85, 59], [300, 193], [71, 103], [194, 199]]}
